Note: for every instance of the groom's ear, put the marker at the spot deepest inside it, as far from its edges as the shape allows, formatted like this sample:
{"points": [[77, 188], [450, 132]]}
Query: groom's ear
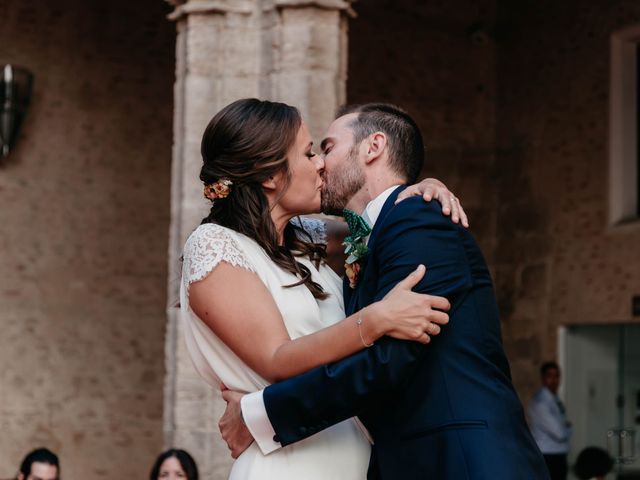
{"points": [[375, 146]]}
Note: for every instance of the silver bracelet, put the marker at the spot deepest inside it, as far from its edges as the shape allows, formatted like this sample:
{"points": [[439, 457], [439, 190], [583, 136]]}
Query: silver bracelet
{"points": [[359, 323]]}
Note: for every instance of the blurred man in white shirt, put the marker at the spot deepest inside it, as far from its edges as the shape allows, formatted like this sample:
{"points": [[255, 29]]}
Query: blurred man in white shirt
{"points": [[548, 422]]}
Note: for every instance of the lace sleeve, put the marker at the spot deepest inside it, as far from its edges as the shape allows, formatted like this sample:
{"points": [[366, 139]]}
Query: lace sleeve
{"points": [[316, 228], [207, 246]]}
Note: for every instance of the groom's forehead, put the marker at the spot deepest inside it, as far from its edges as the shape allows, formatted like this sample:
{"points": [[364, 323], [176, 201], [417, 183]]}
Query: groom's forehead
{"points": [[343, 122], [341, 127]]}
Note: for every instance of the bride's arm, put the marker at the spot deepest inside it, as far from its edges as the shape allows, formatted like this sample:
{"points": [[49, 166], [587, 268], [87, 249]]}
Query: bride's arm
{"points": [[429, 189], [240, 310]]}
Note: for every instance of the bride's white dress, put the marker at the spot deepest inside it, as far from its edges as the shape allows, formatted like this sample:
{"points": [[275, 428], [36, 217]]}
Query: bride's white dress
{"points": [[340, 452]]}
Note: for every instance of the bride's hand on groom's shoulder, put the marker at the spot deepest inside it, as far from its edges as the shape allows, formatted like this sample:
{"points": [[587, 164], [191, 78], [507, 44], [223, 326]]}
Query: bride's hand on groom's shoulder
{"points": [[433, 189], [407, 315], [232, 427]]}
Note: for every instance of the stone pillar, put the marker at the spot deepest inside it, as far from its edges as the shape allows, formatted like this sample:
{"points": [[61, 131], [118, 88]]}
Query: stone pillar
{"points": [[287, 50]]}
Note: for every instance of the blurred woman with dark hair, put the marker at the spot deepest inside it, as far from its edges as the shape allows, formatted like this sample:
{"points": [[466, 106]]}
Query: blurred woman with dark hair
{"points": [[174, 464]]}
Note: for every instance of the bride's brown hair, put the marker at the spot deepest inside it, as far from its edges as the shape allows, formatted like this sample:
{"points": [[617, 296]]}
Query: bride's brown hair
{"points": [[247, 142]]}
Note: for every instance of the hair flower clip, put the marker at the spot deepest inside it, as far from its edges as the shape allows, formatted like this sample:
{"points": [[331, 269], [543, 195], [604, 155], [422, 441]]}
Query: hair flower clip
{"points": [[218, 189]]}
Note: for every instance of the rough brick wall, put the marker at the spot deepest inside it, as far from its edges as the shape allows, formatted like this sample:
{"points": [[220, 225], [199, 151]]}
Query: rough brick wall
{"points": [[513, 100], [557, 260], [83, 236], [431, 58]]}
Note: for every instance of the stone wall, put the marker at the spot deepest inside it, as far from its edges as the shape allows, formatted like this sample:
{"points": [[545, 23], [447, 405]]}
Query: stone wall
{"points": [[513, 100], [558, 262], [83, 236], [283, 50], [435, 60]]}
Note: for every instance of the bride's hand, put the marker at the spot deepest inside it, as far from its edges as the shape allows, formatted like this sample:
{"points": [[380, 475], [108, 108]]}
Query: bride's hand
{"points": [[433, 189], [407, 315]]}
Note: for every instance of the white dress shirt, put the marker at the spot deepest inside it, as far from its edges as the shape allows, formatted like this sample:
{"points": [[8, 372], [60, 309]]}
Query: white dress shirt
{"points": [[548, 423], [254, 411]]}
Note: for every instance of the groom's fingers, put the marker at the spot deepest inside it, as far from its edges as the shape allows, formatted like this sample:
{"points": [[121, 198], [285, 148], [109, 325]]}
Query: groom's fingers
{"points": [[231, 396]]}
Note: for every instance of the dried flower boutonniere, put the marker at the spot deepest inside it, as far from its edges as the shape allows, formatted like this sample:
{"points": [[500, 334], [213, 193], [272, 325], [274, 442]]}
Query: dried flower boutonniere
{"points": [[355, 252], [356, 248]]}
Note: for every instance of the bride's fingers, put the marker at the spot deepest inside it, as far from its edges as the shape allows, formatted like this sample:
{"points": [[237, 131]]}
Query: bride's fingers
{"points": [[412, 279], [436, 316], [446, 201], [432, 329], [428, 193], [463, 216]]}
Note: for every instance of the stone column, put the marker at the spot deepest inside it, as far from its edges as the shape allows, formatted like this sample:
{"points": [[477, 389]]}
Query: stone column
{"points": [[293, 51]]}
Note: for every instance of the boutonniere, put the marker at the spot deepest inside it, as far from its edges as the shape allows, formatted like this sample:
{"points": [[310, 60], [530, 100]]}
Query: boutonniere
{"points": [[356, 248], [355, 251]]}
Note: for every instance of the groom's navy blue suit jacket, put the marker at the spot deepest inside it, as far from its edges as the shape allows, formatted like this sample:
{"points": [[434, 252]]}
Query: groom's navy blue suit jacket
{"points": [[445, 410]]}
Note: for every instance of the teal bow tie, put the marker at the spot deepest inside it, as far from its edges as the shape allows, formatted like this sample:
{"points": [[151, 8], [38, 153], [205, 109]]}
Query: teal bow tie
{"points": [[358, 228]]}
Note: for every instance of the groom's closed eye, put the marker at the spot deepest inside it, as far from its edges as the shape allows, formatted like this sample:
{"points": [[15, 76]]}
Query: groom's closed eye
{"points": [[325, 146]]}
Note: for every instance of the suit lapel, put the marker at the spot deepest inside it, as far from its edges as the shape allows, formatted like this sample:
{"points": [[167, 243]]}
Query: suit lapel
{"points": [[352, 297]]}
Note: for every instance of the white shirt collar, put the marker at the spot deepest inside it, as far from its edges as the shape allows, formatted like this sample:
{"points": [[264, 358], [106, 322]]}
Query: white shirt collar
{"points": [[374, 207]]}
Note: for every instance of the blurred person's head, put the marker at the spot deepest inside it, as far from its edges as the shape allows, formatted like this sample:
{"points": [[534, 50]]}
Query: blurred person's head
{"points": [[40, 464], [593, 462], [174, 464], [550, 376]]}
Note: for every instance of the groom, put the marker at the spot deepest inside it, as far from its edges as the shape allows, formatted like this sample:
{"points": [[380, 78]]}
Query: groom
{"points": [[446, 410]]}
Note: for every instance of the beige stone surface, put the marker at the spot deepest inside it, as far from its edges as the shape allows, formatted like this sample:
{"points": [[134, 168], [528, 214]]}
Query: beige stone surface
{"points": [[225, 51], [423, 57], [85, 211], [513, 101], [562, 263]]}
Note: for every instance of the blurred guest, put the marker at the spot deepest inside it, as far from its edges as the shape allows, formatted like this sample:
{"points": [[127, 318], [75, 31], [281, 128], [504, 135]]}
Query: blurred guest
{"points": [[174, 464], [548, 422], [41, 464], [593, 463]]}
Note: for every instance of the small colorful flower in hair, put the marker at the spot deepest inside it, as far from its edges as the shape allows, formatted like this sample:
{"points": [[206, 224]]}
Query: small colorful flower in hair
{"points": [[218, 189]]}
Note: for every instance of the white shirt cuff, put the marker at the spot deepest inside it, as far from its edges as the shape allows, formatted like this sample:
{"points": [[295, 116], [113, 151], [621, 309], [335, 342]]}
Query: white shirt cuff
{"points": [[255, 417]]}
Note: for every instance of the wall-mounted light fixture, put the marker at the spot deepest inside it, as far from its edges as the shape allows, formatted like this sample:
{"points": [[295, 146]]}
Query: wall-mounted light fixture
{"points": [[15, 92]]}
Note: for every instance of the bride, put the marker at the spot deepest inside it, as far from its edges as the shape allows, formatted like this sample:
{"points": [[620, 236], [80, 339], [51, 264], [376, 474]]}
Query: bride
{"points": [[259, 303]]}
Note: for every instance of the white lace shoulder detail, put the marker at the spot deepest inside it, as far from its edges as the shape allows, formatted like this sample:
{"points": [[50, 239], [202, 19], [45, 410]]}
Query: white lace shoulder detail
{"points": [[314, 227], [207, 246]]}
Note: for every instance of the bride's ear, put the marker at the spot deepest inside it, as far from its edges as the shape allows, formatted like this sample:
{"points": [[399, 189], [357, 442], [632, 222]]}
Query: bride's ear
{"points": [[271, 183]]}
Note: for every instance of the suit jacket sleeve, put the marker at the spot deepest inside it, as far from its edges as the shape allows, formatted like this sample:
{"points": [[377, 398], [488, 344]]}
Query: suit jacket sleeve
{"points": [[413, 232]]}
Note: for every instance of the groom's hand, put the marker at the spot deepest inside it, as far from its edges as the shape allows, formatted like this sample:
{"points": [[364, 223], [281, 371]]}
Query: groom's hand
{"points": [[231, 425]]}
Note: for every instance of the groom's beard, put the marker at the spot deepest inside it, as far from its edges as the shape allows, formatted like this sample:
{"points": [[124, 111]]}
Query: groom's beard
{"points": [[342, 184]]}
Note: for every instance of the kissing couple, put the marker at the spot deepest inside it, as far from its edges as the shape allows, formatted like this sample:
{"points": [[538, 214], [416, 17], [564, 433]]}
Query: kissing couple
{"points": [[396, 372]]}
